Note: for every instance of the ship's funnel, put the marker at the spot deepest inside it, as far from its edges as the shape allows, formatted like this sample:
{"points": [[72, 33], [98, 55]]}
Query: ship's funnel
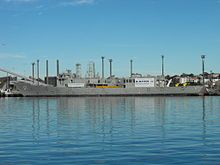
{"points": [[91, 70], [78, 71]]}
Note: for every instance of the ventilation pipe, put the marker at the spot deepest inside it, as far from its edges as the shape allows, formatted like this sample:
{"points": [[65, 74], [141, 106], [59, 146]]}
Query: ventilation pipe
{"points": [[110, 62], [131, 67], [103, 67], [38, 72], [47, 77], [33, 71], [58, 68]]}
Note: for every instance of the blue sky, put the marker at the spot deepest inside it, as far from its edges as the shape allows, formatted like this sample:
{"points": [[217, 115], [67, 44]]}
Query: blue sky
{"points": [[79, 31]]}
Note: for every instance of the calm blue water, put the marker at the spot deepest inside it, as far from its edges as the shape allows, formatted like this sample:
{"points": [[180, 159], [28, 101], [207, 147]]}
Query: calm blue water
{"points": [[110, 130]]}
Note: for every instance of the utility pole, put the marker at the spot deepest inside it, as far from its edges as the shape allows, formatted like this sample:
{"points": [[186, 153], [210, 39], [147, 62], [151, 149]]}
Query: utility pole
{"points": [[203, 69]]}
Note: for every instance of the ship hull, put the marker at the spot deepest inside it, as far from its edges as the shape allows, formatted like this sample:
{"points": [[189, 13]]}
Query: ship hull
{"points": [[29, 89]]}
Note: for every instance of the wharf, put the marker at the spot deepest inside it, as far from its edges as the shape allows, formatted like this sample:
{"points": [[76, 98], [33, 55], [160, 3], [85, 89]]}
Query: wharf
{"points": [[10, 95]]}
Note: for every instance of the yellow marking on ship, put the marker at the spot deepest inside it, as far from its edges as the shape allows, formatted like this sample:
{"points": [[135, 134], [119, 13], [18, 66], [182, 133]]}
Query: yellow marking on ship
{"points": [[185, 84], [177, 84], [107, 87]]}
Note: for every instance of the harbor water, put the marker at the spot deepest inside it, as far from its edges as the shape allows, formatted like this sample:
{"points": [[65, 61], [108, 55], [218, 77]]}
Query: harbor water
{"points": [[110, 130]]}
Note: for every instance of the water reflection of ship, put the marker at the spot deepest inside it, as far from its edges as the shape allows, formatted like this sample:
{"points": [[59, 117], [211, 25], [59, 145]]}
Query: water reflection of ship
{"points": [[153, 105], [95, 114], [105, 111], [37, 118], [204, 136], [96, 109]]}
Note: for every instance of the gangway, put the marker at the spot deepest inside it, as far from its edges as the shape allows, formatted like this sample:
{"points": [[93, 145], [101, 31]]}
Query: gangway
{"points": [[15, 74]]}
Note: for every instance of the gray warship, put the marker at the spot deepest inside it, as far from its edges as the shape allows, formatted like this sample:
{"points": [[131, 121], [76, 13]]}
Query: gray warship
{"points": [[27, 88], [72, 84]]}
